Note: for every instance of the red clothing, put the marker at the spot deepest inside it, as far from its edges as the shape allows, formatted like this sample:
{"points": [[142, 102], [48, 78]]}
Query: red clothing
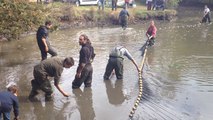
{"points": [[152, 31], [127, 1]]}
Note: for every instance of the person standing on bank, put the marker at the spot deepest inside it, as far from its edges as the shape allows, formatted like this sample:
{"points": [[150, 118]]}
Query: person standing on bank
{"points": [[123, 18], [206, 15], [9, 100], [115, 62], [84, 70], [149, 4], [114, 5], [43, 42], [52, 67], [151, 33], [101, 4]]}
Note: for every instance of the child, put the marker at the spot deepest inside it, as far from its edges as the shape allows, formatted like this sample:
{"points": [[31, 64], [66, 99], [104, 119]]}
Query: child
{"points": [[8, 99]]}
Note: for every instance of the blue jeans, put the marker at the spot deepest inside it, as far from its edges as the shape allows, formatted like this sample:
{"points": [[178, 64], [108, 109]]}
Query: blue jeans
{"points": [[6, 116], [114, 5], [101, 4]]}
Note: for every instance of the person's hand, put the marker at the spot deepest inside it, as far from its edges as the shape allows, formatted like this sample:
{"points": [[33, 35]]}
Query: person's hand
{"points": [[46, 49], [66, 95]]}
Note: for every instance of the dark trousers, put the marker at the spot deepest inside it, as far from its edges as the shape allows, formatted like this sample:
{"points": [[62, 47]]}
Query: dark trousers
{"points": [[206, 18], [51, 51], [86, 77], [123, 22], [43, 85], [149, 5], [40, 82], [114, 64], [114, 4], [151, 42]]}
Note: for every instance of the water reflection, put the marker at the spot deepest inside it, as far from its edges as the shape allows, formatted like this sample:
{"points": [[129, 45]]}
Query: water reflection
{"points": [[85, 103], [42, 111], [114, 92]]}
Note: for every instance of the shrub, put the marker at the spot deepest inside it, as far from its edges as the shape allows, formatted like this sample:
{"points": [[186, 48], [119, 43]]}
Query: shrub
{"points": [[17, 17]]}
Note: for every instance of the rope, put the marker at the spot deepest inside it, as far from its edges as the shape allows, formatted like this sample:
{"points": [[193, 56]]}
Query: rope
{"points": [[134, 108], [140, 84]]}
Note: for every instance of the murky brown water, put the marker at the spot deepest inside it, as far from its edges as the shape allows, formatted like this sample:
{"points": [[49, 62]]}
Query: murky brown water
{"points": [[177, 73]]}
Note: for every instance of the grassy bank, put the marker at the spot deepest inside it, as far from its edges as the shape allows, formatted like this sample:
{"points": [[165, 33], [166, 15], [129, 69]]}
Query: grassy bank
{"points": [[21, 17], [70, 15]]}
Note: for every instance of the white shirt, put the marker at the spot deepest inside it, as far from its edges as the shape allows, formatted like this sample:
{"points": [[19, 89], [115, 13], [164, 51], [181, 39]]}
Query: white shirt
{"points": [[206, 11]]}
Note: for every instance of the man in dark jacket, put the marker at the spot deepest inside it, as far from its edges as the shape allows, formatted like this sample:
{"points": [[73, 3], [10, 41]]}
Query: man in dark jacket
{"points": [[84, 70], [52, 67], [123, 17], [43, 42], [9, 100]]}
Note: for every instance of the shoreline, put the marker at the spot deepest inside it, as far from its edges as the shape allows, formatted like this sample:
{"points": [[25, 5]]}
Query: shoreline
{"points": [[66, 16]]}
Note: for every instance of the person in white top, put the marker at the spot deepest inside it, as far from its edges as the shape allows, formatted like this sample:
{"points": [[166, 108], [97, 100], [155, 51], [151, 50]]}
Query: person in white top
{"points": [[115, 62], [206, 16]]}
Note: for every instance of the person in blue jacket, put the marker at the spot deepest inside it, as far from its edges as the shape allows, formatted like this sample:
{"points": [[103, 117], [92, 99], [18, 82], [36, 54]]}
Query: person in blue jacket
{"points": [[123, 18], [9, 100]]}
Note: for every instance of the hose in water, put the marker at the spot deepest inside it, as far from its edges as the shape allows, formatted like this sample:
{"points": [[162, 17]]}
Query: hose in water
{"points": [[140, 83]]}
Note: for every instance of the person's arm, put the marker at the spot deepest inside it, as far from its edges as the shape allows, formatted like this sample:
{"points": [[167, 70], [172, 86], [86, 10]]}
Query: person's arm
{"points": [[129, 56], [206, 12], [133, 61], [16, 108], [79, 70], [62, 92], [82, 62], [93, 55], [154, 30], [127, 14], [45, 44], [56, 81], [147, 35]]}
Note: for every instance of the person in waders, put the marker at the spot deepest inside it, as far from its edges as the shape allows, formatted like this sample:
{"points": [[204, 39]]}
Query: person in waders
{"points": [[123, 18], [115, 62], [52, 67], [43, 42], [151, 33], [206, 16], [85, 70], [9, 100]]}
